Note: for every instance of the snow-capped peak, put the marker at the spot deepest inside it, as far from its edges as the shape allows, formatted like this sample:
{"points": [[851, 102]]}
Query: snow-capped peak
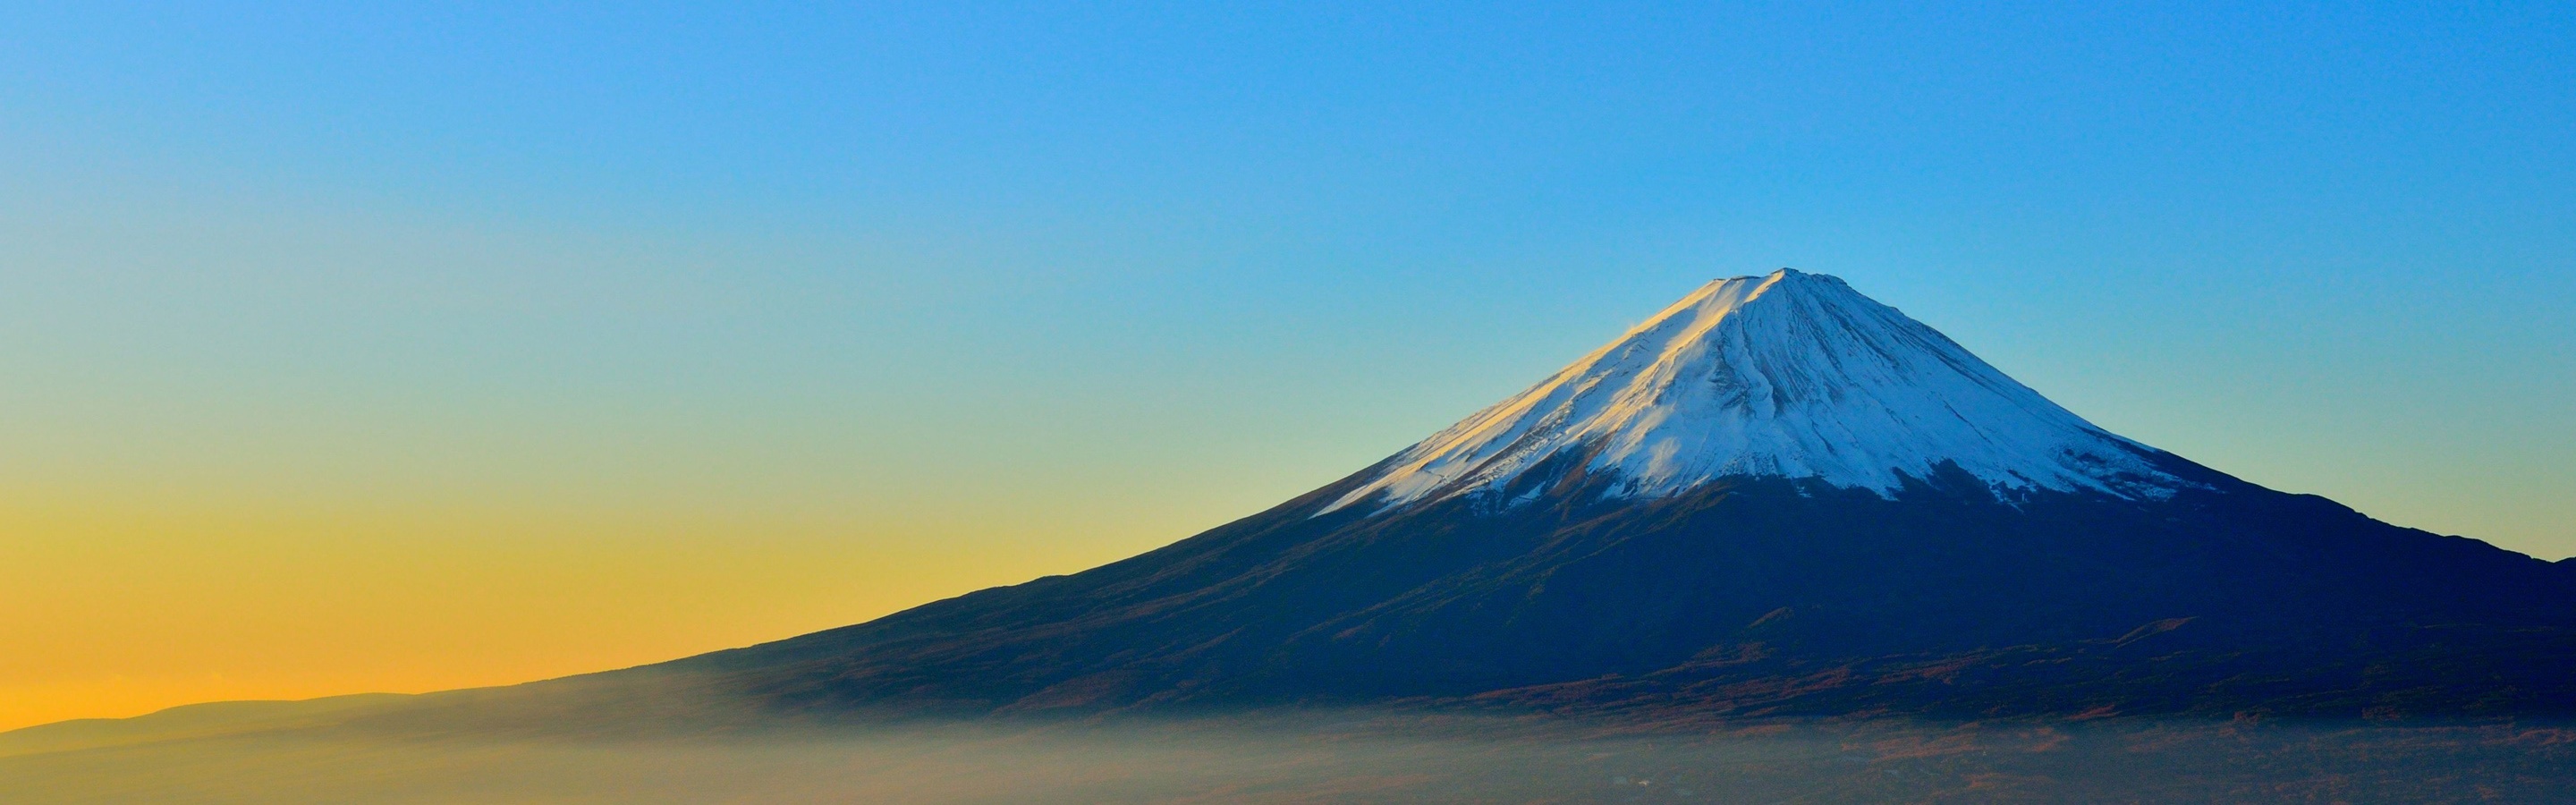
{"points": [[1791, 375]]}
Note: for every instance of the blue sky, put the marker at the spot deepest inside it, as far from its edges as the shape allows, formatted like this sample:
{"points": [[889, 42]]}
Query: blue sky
{"points": [[1016, 288], [2260, 235]]}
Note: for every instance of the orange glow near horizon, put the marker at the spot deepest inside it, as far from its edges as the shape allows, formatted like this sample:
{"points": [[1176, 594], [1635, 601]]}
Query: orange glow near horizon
{"points": [[123, 608]]}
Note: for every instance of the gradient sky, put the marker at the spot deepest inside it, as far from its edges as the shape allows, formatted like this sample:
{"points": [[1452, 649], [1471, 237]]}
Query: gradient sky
{"points": [[410, 347]]}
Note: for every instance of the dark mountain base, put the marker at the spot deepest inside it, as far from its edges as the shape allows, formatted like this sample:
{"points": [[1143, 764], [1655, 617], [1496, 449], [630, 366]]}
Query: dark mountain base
{"points": [[2401, 676], [1759, 597]]}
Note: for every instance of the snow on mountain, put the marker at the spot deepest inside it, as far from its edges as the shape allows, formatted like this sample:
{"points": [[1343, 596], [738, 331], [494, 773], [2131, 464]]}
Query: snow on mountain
{"points": [[1791, 375]]}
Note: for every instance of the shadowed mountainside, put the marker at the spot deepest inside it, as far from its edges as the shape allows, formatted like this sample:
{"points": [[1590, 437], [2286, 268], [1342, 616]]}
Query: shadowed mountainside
{"points": [[1764, 596]]}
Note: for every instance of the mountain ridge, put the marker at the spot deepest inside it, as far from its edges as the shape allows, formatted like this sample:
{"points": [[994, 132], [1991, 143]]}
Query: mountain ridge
{"points": [[1534, 570]]}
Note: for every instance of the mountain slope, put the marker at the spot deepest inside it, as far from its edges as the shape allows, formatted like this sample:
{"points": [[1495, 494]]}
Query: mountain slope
{"points": [[1775, 496]]}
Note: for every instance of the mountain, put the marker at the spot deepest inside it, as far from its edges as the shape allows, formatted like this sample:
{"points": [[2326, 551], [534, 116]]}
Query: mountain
{"points": [[1775, 496]]}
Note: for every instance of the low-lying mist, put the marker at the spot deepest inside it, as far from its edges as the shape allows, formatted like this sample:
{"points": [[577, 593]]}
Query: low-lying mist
{"points": [[310, 756]]}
